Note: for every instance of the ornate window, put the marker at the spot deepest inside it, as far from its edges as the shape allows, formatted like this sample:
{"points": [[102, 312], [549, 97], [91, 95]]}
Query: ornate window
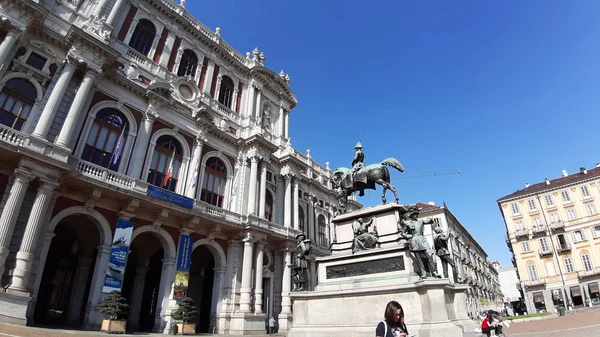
{"points": [[226, 91], [300, 219], [166, 162], [213, 182], [106, 140], [269, 206], [143, 37], [16, 100], [322, 228], [188, 64]]}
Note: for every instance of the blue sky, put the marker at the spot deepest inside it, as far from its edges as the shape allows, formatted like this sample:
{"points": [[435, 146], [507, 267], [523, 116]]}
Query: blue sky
{"points": [[507, 92]]}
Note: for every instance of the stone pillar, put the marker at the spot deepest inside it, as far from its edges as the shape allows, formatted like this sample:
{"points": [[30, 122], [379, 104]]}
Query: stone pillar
{"points": [[78, 293], [10, 213], [313, 274], [286, 282], [287, 124], [97, 9], [113, 13], [257, 108], [31, 237], [141, 146], [250, 100], [252, 188], [194, 166], [210, 70], [57, 94], [258, 284], [263, 191], [296, 204], [281, 120], [310, 231], [167, 278], [7, 45], [138, 293], [287, 212], [68, 129], [93, 318], [246, 274]]}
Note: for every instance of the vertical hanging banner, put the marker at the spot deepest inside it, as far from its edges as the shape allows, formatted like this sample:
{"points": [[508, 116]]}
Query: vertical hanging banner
{"points": [[184, 260], [118, 256]]}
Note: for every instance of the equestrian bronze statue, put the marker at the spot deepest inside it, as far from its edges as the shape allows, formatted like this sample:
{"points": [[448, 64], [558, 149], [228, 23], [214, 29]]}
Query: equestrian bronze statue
{"points": [[360, 177]]}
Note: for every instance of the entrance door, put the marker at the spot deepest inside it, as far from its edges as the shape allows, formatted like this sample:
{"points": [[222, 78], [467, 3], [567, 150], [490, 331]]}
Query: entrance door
{"points": [[202, 275], [576, 296]]}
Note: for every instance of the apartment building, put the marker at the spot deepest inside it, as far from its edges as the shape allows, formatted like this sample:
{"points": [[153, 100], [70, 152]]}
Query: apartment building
{"points": [[553, 232]]}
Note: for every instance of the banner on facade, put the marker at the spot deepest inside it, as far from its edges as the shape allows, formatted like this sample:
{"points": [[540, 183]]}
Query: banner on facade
{"points": [[184, 261], [118, 256]]}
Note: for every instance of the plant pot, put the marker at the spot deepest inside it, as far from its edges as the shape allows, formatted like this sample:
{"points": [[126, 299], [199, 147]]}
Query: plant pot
{"points": [[113, 326], [186, 328]]}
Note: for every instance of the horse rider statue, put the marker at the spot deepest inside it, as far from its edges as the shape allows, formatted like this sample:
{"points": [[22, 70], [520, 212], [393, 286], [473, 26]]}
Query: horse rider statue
{"points": [[357, 164]]}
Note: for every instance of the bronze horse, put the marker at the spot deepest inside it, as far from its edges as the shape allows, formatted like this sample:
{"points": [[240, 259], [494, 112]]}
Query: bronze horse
{"points": [[365, 178]]}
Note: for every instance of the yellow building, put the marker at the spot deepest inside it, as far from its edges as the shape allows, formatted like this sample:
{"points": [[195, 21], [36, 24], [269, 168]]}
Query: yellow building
{"points": [[553, 231]]}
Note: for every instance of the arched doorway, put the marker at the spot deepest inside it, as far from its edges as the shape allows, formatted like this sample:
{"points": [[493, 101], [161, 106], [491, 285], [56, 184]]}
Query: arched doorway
{"points": [[201, 281], [141, 285], [68, 272]]}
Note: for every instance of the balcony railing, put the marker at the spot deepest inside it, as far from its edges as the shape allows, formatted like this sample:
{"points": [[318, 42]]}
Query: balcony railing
{"points": [[544, 252], [522, 232], [12, 136], [539, 229], [565, 247], [557, 225], [533, 283], [103, 174], [586, 273]]}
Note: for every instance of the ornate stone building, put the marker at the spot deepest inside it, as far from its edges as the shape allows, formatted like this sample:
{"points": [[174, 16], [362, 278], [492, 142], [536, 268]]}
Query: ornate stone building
{"points": [[132, 111], [553, 232], [471, 261]]}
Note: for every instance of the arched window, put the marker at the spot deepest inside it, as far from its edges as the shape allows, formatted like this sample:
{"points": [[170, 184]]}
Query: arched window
{"points": [[300, 219], [322, 229], [166, 162], [143, 36], [16, 100], [188, 64], [213, 182], [226, 91], [269, 206], [106, 140]]}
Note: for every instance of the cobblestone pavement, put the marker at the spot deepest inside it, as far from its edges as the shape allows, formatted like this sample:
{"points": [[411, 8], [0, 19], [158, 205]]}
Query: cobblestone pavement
{"points": [[575, 324]]}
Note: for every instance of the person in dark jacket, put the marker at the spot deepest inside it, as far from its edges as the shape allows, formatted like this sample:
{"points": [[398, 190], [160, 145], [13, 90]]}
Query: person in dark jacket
{"points": [[393, 325]]}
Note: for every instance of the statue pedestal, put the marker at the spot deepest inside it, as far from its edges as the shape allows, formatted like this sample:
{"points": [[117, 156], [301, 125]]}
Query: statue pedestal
{"points": [[353, 290]]}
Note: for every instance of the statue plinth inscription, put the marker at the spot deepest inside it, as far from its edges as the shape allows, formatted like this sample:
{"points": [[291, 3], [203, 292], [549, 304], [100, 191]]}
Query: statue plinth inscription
{"points": [[386, 265]]}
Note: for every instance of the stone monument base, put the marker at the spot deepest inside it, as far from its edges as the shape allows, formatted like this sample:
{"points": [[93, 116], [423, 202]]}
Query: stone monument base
{"points": [[248, 323], [14, 308]]}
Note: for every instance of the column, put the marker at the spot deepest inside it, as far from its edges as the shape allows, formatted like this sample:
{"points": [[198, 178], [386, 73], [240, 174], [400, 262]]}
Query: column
{"points": [[287, 212], [263, 190], [92, 315], [257, 108], [208, 78], [287, 124], [67, 132], [81, 276], [113, 13], [252, 188], [281, 120], [10, 213], [167, 277], [138, 293], [296, 205], [96, 10], [47, 116], [286, 285], [249, 100], [194, 167], [141, 146], [246, 274], [258, 284], [313, 274], [31, 237], [7, 45], [311, 219]]}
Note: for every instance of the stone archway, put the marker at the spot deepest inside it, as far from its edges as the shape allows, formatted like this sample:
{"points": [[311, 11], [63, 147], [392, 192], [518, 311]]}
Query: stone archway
{"points": [[74, 256]]}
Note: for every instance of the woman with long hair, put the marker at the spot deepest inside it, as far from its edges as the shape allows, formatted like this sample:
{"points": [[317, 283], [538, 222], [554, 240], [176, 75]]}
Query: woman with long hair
{"points": [[393, 325]]}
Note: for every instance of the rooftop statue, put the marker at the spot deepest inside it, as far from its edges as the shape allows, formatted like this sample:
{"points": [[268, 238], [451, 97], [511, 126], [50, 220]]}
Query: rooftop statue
{"points": [[360, 177]]}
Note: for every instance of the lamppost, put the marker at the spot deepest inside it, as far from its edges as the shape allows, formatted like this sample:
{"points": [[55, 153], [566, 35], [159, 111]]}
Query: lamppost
{"points": [[554, 252]]}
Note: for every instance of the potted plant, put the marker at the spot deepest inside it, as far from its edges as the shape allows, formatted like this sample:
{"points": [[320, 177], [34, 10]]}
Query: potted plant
{"points": [[115, 309], [185, 313]]}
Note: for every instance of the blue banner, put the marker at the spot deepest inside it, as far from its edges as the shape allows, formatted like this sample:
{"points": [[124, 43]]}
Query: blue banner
{"points": [[168, 196], [184, 261], [184, 257], [118, 256]]}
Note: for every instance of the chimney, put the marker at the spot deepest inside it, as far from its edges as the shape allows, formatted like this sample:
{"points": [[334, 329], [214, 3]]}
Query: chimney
{"points": [[583, 170], [526, 185], [547, 181], [564, 173]]}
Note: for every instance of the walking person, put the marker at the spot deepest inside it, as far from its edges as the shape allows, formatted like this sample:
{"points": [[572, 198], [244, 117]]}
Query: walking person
{"points": [[393, 325], [271, 326]]}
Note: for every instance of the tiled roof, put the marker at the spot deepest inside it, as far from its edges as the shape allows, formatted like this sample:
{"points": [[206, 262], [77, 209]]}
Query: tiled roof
{"points": [[427, 207], [554, 183]]}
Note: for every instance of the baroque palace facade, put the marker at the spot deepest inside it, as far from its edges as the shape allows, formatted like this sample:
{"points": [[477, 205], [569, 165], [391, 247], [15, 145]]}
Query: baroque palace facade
{"points": [[133, 112], [553, 232], [471, 261]]}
